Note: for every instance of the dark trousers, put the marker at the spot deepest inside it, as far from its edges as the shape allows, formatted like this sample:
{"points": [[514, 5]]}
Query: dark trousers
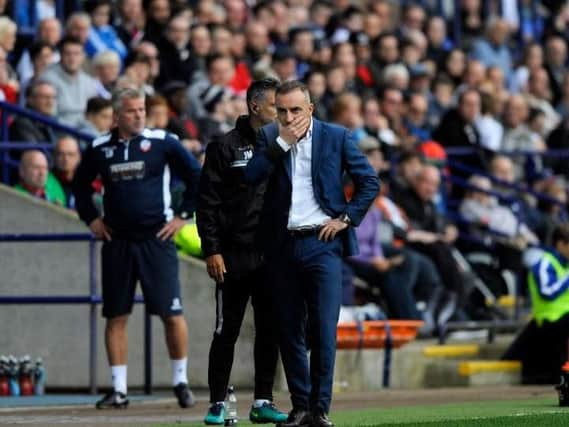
{"points": [[307, 277], [542, 351], [232, 297], [441, 255]]}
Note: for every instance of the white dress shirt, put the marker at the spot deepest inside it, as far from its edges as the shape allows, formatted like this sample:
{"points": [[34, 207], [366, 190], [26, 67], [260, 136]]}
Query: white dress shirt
{"points": [[304, 210]]}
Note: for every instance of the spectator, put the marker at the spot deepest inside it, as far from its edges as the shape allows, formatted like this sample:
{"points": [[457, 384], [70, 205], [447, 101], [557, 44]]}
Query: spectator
{"points": [[130, 22], [556, 65], [8, 32], [562, 107], [439, 44], [78, 26], [66, 158], [33, 173], [73, 86], [458, 129], [489, 128], [454, 65], [106, 67], [258, 42], [415, 121], [98, 116], [148, 49], [41, 56], [553, 210], [539, 96], [346, 111], [316, 83], [430, 233], [302, 43], [532, 60], [158, 14], [48, 34], [493, 50], [177, 61], [41, 99], [102, 36], [220, 72], [284, 64]]}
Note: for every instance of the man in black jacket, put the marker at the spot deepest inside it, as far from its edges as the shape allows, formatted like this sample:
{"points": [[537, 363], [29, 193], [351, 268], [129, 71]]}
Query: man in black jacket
{"points": [[227, 219]]}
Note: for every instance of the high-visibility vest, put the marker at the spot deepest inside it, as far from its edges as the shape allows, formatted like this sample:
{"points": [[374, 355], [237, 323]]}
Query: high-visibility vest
{"points": [[545, 309]]}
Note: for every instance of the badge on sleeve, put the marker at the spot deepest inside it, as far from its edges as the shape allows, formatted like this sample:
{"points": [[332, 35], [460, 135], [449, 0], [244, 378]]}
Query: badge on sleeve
{"points": [[145, 145]]}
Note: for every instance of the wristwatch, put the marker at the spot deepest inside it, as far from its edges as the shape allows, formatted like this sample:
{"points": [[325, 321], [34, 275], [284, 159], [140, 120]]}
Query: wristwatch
{"points": [[345, 219], [184, 215]]}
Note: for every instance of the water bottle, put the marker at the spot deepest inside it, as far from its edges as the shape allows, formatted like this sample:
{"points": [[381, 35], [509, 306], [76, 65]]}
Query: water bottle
{"points": [[39, 378], [26, 387], [231, 407], [13, 371]]}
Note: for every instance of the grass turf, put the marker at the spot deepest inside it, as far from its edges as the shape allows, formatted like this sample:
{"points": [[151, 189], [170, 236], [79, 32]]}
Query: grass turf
{"points": [[538, 412]]}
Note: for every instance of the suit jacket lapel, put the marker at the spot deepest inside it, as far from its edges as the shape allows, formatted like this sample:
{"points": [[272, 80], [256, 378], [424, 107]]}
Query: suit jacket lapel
{"points": [[316, 154]]}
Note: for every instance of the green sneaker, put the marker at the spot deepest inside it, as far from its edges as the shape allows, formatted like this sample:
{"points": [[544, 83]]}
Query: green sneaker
{"points": [[268, 413], [215, 415]]}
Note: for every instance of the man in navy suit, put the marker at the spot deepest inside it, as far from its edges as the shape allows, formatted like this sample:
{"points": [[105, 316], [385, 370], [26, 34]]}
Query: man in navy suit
{"points": [[307, 227]]}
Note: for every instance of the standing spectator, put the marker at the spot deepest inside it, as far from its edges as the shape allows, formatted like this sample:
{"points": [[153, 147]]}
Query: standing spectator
{"points": [[137, 228], [228, 217], [102, 36], [41, 99], [98, 116], [302, 239], [33, 173], [66, 158], [73, 86]]}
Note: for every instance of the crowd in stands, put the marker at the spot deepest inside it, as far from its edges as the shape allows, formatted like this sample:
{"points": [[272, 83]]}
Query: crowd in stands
{"points": [[413, 81]]}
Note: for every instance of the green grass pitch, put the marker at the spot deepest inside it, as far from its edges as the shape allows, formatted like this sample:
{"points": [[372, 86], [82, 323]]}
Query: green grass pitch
{"points": [[539, 412]]}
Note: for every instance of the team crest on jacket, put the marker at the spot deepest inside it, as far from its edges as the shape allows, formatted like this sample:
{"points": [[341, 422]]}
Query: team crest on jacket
{"points": [[145, 145]]}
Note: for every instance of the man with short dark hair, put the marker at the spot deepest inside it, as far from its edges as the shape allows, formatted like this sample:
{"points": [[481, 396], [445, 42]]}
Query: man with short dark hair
{"points": [[227, 218], [135, 165], [306, 230]]}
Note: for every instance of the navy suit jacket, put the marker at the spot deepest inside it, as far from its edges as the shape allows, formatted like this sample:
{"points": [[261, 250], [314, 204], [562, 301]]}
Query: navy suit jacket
{"points": [[333, 153]]}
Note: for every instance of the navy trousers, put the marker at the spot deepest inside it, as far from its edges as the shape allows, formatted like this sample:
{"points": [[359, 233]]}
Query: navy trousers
{"points": [[307, 277]]}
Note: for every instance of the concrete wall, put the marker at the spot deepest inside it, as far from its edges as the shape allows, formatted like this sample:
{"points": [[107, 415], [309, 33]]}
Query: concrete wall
{"points": [[60, 333]]}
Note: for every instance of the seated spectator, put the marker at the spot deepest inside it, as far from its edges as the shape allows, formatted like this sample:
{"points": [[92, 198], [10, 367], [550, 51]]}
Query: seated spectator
{"points": [[40, 99], [430, 233], [346, 111], [483, 209], [493, 50], [542, 345], [33, 173], [98, 117], [106, 67], [9, 84], [66, 158], [553, 212], [539, 96], [48, 33], [408, 167], [41, 56], [102, 36], [73, 86], [130, 22], [489, 128], [78, 26]]}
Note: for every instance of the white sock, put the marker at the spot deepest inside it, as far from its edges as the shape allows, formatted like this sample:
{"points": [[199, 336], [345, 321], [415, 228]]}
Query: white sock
{"points": [[118, 375], [260, 402], [179, 371]]}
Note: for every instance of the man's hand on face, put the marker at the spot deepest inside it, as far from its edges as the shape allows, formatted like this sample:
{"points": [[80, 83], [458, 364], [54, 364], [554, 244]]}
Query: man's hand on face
{"points": [[292, 132]]}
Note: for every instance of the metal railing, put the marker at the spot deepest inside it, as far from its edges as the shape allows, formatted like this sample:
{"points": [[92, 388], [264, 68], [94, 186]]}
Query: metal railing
{"points": [[93, 299]]}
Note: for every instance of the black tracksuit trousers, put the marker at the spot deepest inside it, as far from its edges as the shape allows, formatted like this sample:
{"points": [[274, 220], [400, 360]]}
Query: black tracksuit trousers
{"points": [[232, 297]]}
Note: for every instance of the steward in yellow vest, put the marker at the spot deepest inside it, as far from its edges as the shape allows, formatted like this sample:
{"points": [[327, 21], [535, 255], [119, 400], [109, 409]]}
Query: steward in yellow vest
{"points": [[542, 346]]}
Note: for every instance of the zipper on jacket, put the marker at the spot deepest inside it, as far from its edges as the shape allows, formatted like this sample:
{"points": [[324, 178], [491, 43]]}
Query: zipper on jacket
{"points": [[126, 144]]}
